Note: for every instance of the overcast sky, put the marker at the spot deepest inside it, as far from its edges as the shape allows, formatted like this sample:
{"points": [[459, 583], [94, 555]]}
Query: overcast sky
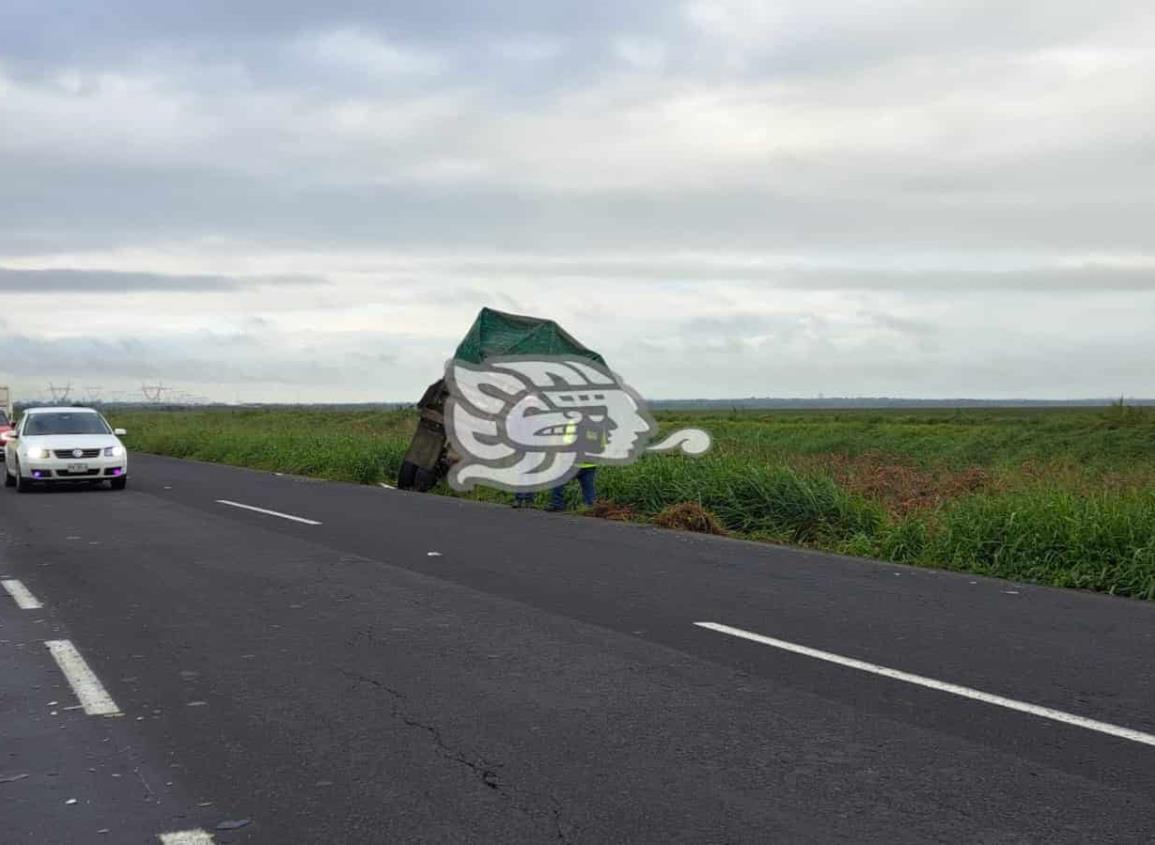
{"points": [[287, 200]]}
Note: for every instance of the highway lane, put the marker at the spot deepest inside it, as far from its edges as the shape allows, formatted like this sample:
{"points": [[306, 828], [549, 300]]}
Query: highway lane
{"points": [[66, 776], [541, 678]]}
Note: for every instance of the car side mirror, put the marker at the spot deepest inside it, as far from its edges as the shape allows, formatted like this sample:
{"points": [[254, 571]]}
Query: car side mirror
{"points": [[119, 432]]}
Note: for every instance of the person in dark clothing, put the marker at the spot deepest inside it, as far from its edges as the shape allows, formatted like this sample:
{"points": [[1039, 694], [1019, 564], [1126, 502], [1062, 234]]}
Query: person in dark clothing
{"points": [[585, 478]]}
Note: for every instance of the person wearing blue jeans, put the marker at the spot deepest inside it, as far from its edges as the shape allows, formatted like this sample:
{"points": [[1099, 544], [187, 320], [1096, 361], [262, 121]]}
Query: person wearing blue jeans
{"points": [[585, 478]]}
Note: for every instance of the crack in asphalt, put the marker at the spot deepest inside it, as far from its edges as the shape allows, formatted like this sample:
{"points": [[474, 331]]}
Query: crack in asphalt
{"points": [[486, 772]]}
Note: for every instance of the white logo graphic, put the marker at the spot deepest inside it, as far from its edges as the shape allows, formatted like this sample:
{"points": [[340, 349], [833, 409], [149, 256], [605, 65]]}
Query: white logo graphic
{"points": [[528, 424]]}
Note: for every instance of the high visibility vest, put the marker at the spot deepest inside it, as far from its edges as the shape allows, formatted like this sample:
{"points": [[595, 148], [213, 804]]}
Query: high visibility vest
{"points": [[569, 436]]}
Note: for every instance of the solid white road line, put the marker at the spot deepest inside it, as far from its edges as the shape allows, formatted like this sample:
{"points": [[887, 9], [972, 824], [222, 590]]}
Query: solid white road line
{"points": [[24, 599], [89, 691], [941, 686], [187, 837], [270, 513]]}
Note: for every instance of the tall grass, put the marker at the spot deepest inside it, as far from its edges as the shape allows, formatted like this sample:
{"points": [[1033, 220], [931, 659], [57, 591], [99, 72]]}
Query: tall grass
{"points": [[359, 447], [1061, 497], [1101, 541]]}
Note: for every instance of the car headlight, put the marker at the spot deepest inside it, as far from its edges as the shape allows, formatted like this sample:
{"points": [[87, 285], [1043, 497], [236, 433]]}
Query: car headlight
{"points": [[114, 452], [37, 453]]}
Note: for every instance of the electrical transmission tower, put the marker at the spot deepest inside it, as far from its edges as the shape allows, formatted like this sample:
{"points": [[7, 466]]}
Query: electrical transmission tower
{"points": [[154, 392], [92, 394], [60, 394]]}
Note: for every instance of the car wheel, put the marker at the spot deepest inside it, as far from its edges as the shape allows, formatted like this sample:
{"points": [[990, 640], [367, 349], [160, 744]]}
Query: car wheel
{"points": [[9, 480], [119, 483], [23, 485]]}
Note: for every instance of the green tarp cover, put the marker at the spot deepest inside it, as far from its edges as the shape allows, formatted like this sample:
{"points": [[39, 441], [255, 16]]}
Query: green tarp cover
{"points": [[497, 333]]}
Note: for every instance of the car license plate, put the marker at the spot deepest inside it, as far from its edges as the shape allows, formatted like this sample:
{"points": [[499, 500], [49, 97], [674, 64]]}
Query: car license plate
{"points": [[78, 467]]}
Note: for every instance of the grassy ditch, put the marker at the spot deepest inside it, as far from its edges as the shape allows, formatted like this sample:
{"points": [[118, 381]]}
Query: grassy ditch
{"points": [[1061, 497]]}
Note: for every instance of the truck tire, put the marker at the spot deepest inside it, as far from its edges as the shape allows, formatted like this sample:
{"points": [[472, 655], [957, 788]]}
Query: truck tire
{"points": [[406, 475], [424, 480], [414, 477]]}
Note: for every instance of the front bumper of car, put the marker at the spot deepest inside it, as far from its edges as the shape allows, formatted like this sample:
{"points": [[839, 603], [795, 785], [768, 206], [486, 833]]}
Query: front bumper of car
{"points": [[65, 470]]}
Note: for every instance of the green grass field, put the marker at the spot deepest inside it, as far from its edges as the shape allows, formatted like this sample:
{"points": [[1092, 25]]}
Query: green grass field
{"points": [[1061, 497]]}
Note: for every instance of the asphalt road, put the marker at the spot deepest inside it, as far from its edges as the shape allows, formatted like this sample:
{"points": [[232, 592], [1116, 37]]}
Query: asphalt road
{"points": [[421, 669]]}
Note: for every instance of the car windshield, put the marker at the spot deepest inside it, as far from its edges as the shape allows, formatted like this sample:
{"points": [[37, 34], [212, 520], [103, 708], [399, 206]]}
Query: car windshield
{"points": [[66, 423]]}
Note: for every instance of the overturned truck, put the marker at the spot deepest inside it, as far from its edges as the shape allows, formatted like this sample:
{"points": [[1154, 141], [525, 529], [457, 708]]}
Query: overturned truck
{"points": [[493, 334]]}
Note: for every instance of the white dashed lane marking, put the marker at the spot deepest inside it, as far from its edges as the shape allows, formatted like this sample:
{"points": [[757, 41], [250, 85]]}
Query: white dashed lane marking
{"points": [[288, 516], [89, 691], [21, 595], [187, 837], [941, 686]]}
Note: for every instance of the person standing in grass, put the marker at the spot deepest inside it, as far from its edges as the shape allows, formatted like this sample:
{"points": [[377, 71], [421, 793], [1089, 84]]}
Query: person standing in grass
{"points": [[585, 478], [586, 472], [594, 436]]}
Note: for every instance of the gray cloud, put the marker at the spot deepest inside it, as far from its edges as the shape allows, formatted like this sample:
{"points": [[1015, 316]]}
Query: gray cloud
{"points": [[1103, 277], [258, 365], [814, 38], [91, 24], [996, 135], [58, 215], [17, 280]]}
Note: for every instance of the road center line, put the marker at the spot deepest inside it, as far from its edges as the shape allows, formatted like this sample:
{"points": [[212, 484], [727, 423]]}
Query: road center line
{"points": [[89, 691], [21, 595], [941, 686], [270, 513], [187, 837]]}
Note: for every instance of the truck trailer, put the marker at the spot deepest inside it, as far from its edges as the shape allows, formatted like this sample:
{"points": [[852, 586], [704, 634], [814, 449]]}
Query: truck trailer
{"points": [[493, 334]]}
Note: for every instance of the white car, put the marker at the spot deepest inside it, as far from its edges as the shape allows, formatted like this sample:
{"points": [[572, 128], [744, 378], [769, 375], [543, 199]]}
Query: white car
{"points": [[64, 446]]}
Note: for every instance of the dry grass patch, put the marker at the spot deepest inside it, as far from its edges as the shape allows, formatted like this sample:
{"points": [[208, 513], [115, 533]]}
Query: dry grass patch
{"points": [[689, 516], [900, 486]]}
